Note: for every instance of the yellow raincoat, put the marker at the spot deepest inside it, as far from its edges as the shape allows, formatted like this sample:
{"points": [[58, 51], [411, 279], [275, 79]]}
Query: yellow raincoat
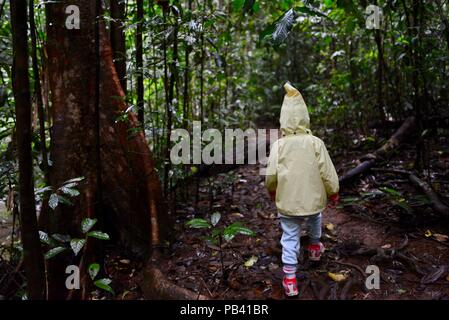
{"points": [[299, 169]]}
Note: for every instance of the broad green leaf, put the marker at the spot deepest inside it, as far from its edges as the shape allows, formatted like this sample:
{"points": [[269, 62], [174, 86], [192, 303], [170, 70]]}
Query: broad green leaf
{"points": [[215, 218], [87, 224], [64, 200], [390, 191], [42, 190], [93, 270], [228, 236], [236, 228], [70, 185], [69, 191], [53, 252], [78, 179], [77, 245], [61, 237], [246, 231], [99, 235], [198, 223], [349, 200], [53, 201], [104, 285]]}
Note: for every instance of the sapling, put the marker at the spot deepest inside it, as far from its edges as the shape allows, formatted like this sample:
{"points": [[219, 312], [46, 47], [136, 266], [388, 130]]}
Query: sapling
{"points": [[59, 243], [218, 234]]}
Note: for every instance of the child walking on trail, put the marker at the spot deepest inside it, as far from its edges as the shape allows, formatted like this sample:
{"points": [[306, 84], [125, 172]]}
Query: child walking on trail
{"points": [[300, 179]]}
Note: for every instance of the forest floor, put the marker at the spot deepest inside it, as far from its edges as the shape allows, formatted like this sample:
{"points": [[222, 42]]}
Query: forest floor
{"points": [[381, 220], [418, 273]]}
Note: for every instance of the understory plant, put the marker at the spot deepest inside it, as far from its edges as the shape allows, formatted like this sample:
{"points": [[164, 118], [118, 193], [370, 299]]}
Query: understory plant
{"points": [[218, 234]]}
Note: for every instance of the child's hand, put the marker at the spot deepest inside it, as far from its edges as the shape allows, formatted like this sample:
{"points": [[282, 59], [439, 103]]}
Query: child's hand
{"points": [[272, 195], [334, 199]]}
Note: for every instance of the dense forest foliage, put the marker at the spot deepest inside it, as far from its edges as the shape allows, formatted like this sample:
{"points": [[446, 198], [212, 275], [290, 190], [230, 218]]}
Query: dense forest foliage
{"points": [[363, 67], [216, 61]]}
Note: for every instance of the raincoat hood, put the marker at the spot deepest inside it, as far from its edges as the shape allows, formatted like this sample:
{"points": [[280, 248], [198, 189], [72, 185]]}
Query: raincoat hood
{"points": [[294, 115]]}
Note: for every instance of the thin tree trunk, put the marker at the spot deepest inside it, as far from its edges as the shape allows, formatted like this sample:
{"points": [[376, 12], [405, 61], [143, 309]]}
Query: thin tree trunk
{"points": [[139, 63], [185, 110], [38, 93], [32, 252], [118, 42], [186, 98], [380, 75], [202, 78], [168, 109], [172, 106]]}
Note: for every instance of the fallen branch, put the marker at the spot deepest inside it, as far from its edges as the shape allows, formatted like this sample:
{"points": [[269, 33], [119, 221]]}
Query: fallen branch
{"points": [[354, 266], [369, 160], [437, 205]]}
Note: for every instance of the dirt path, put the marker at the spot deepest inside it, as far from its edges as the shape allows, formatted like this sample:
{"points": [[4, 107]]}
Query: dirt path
{"points": [[416, 271]]}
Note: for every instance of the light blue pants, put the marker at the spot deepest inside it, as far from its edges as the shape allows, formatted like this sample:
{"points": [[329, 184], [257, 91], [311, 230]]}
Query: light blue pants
{"points": [[291, 232]]}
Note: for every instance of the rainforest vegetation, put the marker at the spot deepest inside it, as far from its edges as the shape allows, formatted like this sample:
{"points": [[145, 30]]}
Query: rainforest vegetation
{"points": [[91, 92]]}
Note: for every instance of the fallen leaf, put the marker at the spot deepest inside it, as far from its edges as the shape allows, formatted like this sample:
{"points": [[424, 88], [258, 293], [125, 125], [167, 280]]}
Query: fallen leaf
{"points": [[251, 261], [330, 226], [237, 214], [428, 233], [440, 237], [386, 246], [234, 284], [330, 237], [337, 277], [273, 266]]}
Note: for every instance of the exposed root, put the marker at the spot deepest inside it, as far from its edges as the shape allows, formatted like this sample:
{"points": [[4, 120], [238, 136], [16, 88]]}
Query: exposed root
{"points": [[354, 266], [347, 287], [156, 287]]}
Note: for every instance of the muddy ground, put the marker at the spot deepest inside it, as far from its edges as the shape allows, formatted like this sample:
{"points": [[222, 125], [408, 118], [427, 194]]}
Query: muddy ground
{"points": [[382, 220]]}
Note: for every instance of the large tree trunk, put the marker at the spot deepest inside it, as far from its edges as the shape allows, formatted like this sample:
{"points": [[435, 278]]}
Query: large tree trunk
{"points": [[131, 194], [32, 252]]}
